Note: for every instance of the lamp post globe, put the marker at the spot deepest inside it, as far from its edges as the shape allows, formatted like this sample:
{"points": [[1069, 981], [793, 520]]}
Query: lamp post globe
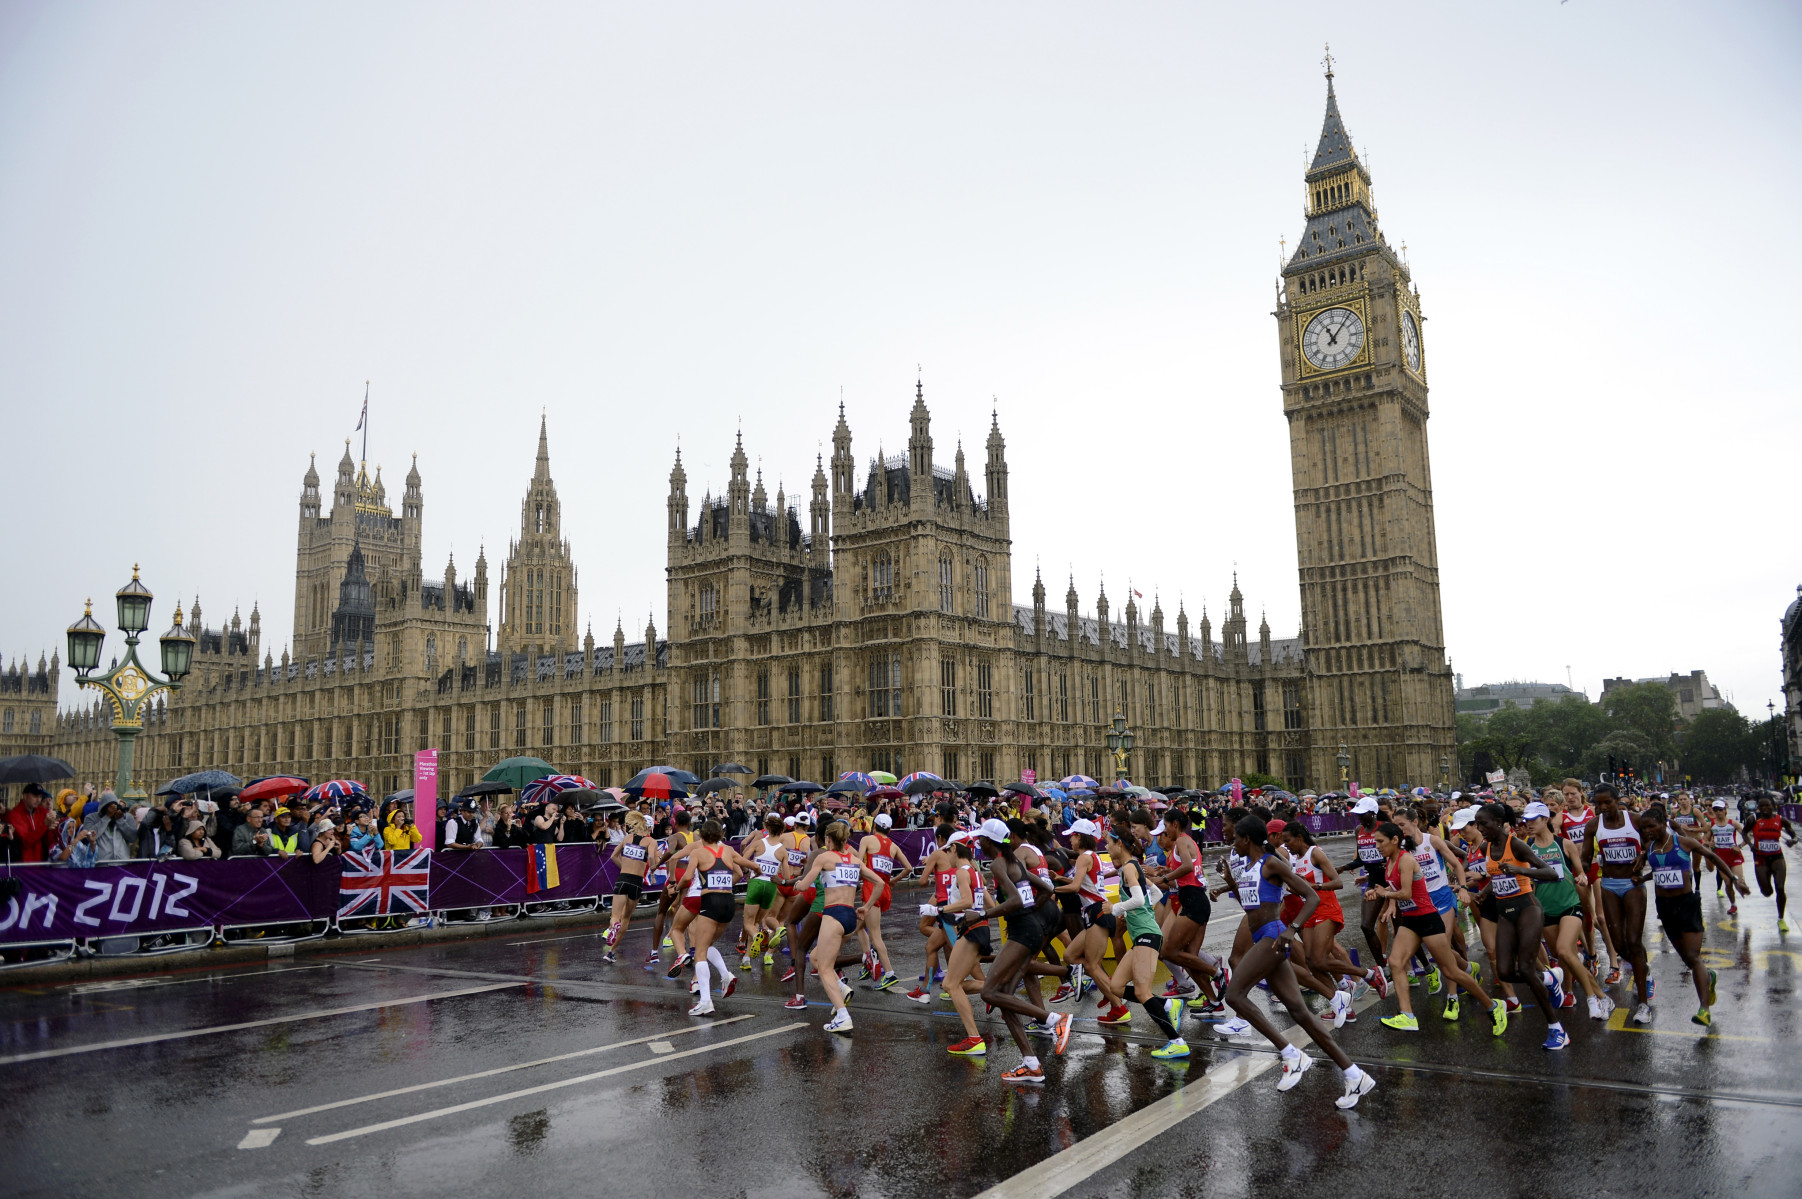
{"points": [[178, 650], [134, 605], [85, 638]]}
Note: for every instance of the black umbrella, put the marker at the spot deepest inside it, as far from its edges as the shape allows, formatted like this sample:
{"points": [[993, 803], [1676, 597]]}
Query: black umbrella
{"points": [[926, 786], [34, 768], [686, 777], [202, 780], [802, 788], [771, 780], [986, 789], [712, 785], [1022, 789], [844, 787], [483, 789], [1171, 790], [731, 768]]}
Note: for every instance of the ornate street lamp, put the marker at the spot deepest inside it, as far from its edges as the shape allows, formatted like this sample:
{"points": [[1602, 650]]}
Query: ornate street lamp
{"points": [[1120, 743], [128, 686], [1445, 772], [1344, 766]]}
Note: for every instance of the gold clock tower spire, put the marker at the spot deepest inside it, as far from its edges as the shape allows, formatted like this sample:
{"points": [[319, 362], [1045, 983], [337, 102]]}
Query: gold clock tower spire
{"points": [[1355, 394]]}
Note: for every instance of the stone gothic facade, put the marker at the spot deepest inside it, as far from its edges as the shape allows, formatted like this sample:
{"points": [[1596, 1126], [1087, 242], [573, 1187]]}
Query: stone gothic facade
{"points": [[880, 631]]}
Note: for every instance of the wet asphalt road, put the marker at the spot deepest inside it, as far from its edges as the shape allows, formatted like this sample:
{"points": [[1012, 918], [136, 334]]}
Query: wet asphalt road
{"points": [[528, 1066]]}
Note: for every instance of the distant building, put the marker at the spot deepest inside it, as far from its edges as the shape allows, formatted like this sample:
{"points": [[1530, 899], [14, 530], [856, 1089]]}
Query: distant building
{"points": [[1792, 676], [1693, 692], [1490, 698]]}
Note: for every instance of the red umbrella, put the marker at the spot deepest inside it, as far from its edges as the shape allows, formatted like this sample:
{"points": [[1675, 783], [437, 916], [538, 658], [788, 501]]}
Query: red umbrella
{"points": [[273, 787], [888, 793], [656, 786]]}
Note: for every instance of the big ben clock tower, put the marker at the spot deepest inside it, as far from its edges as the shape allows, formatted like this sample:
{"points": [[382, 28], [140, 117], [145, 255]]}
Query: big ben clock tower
{"points": [[1355, 361]]}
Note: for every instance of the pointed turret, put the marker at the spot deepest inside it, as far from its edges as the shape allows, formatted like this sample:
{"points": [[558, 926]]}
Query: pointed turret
{"points": [[844, 469], [309, 490], [759, 497], [738, 492], [1342, 215], [1104, 632], [1038, 589], [997, 468], [821, 509], [960, 482], [678, 502], [919, 441], [541, 470]]}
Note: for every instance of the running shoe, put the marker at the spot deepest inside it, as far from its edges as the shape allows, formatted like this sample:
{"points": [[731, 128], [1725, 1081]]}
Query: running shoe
{"points": [[1498, 1016], [1064, 994], [668, 943], [970, 1047], [612, 935], [1733, 909], [1358, 987], [608, 957], [945, 995], [938, 976], [1341, 1008], [839, 1023], [844, 987], [789, 977], [1238, 1026], [1226, 978], [1178, 1048], [797, 1004], [1076, 984], [1614, 976], [1174, 1009], [1293, 1068], [1402, 1022], [1381, 985], [1450, 1011], [1553, 991], [1711, 978], [654, 956], [779, 936], [888, 980], [1024, 1073], [1555, 1038], [731, 986], [1650, 984], [1037, 1028], [703, 1008], [1513, 1004], [1782, 924], [756, 944], [1060, 1033], [1434, 982], [1606, 1006], [1355, 1091], [920, 995], [1570, 999], [1171, 990], [694, 986], [1595, 1009], [769, 958], [1476, 971], [866, 973], [1115, 1015], [1703, 1018], [1209, 1009], [1642, 1014], [680, 963]]}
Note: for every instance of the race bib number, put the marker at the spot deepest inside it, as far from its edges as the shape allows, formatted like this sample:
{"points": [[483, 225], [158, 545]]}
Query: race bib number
{"points": [[1769, 846], [882, 863], [1621, 853], [1667, 877], [1368, 852], [767, 867], [1504, 885], [1723, 837], [635, 852], [719, 880]]}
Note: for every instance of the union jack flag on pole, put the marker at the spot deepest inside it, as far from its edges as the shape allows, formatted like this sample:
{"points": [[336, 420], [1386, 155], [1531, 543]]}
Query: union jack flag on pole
{"points": [[385, 882]]}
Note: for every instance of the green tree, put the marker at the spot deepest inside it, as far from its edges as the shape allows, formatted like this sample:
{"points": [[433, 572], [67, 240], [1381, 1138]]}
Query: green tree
{"points": [[1509, 737], [1650, 710], [1717, 743], [1628, 746], [1254, 779], [1565, 733]]}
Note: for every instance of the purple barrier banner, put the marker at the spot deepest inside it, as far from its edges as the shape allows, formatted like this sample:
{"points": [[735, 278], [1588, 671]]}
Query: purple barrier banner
{"points": [[141, 898], [1791, 811], [482, 878]]}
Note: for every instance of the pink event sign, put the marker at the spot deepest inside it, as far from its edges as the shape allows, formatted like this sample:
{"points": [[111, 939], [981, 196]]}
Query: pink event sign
{"points": [[425, 797]]}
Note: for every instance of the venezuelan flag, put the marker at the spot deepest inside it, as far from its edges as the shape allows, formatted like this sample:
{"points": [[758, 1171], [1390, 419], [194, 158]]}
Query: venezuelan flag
{"points": [[541, 869]]}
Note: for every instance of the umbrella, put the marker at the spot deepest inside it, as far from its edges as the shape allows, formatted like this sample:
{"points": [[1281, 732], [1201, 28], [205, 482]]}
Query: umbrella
{"points": [[551, 786], [475, 789], [338, 790], [1022, 789], [1076, 781], [655, 785], [884, 777], [204, 780], [920, 782], [399, 797], [1168, 790], [34, 768], [837, 805], [887, 793], [771, 780], [846, 787], [713, 785], [271, 786], [684, 777], [731, 768], [517, 772], [801, 788], [983, 788], [864, 782], [917, 775]]}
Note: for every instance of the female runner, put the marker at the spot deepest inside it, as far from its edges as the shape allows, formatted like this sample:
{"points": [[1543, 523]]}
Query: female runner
{"points": [[1318, 935], [1573, 824], [1670, 864], [1768, 866], [765, 850], [1725, 834], [1260, 893], [1440, 870], [1187, 924], [1562, 905], [1098, 921], [1418, 923], [1615, 843], [717, 866], [882, 855], [1025, 938], [838, 874], [966, 925], [1370, 861], [633, 856], [940, 866], [1512, 869], [1133, 975]]}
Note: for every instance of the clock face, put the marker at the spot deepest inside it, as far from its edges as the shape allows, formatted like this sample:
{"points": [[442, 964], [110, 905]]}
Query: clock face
{"points": [[1410, 341], [1333, 338]]}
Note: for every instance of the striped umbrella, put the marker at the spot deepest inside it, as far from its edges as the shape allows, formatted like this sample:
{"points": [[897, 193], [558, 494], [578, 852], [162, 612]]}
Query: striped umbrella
{"points": [[337, 790], [917, 776], [864, 782], [551, 786], [1078, 781]]}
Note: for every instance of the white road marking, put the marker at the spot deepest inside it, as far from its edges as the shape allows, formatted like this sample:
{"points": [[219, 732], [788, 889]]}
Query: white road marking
{"points": [[259, 1138], [543, 1061], [661, 1047], [127, 984], [152, 1038], [385, 1125], [570, 937], [1066, 1169]]}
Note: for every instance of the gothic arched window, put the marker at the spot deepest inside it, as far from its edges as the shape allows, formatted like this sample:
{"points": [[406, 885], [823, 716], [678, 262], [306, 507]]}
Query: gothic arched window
{"points": [[947, 576]]}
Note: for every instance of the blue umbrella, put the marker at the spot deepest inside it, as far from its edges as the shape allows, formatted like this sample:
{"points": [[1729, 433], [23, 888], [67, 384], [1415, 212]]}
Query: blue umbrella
{"points": [[1079, 781], [202, 780], [686, 777]]}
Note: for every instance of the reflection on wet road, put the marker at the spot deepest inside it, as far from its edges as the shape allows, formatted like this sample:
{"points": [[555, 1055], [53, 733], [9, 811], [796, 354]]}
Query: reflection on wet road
{"points": [[524, 1063]]}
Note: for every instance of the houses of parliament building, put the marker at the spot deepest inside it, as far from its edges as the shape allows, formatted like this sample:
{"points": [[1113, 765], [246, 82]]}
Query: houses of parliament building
{"points": [[870, 624]]}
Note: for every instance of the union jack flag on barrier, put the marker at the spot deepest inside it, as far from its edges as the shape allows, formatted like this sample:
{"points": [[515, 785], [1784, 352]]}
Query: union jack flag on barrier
{"points": [[385, 882]]}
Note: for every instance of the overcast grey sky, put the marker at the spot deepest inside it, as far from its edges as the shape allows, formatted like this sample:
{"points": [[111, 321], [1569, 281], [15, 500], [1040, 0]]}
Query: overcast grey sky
{"points": [[656, 222]]}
